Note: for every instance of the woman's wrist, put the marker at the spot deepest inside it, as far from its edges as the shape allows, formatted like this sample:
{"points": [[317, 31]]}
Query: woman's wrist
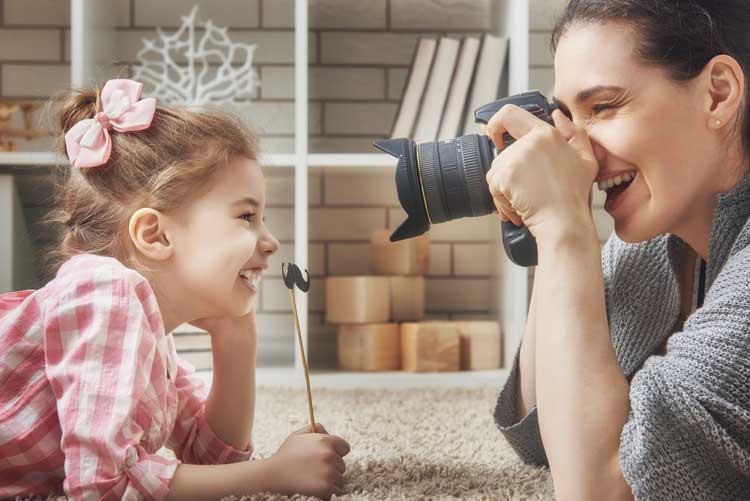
{"points": [[574, 234]]}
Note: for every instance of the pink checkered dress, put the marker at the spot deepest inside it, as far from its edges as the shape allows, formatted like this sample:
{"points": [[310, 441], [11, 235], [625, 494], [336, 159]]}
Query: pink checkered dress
{"points": [[91, 387]]}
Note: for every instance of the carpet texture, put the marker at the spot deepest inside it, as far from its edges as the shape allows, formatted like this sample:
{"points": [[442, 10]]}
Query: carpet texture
{"points": [[406, 444]]}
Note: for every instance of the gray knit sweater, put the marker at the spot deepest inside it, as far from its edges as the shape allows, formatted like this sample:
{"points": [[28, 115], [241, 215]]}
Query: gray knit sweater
{"points": [[688, 432]]}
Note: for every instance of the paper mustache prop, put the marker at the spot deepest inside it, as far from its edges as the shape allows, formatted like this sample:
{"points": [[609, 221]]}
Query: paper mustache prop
{"points": [[293, 276]]}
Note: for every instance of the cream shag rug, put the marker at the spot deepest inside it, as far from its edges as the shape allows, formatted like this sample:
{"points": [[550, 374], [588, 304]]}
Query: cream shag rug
{"points": [[406, 444]]}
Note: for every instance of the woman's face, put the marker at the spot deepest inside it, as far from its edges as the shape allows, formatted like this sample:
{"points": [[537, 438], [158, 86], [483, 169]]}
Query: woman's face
{"points": [[222, 245], [640, 123]]}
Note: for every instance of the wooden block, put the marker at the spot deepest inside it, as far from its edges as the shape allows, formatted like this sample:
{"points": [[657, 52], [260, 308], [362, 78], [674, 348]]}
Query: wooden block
{"points": [[429, 347], [357, 300], [369, 347], [407, 298], [406, 257], [480, 345]]}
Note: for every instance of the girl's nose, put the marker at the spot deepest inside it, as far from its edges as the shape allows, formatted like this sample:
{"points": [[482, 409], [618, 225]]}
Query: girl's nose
{"points": [[269, 243]]}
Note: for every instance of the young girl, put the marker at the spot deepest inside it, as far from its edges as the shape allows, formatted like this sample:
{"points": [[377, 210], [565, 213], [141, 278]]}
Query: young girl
{"points": [[163, 224]]}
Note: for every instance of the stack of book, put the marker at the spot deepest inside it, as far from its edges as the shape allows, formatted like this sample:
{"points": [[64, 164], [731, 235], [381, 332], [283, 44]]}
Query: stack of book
{"points": [[449, 78]]}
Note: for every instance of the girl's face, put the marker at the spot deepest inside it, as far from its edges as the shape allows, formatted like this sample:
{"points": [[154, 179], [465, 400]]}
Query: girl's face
{"points": [[640, 123], [222, 245]]}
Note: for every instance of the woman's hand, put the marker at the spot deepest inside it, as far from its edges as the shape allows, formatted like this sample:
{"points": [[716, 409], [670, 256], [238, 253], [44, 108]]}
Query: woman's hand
{"points": [[311, 464], [544, 179]]}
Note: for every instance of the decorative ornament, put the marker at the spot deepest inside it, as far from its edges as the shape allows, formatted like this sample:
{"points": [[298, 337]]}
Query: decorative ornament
{"points": [[207, 75], [293, 276]]}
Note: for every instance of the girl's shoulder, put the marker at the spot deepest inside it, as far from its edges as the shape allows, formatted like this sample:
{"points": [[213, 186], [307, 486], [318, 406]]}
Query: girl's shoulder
{"points": [[98, 282]]}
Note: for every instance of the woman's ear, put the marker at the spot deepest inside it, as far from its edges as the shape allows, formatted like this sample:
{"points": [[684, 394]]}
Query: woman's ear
{"points": [[148, 232], [725, 83]]}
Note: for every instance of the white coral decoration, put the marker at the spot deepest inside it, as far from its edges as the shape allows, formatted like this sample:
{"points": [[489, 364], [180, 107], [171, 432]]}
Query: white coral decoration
{"points": [[207, 75]]}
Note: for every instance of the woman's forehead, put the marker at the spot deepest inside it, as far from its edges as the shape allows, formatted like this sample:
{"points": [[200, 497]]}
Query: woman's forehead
{"points": [[596, 54]]}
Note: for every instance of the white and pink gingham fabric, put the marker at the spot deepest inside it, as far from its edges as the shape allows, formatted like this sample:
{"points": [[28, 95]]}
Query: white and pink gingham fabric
{"points": [[91, 387]]}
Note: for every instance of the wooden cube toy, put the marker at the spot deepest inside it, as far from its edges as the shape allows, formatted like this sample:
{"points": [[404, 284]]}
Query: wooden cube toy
{"points": [[369, 347], [429, 347], [406, 257], [481, 347], [407, 298], [357, 300]]}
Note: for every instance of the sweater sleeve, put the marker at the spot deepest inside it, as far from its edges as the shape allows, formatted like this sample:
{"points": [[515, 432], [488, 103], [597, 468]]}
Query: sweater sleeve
{"points": [[687, 434], [522, 432]]}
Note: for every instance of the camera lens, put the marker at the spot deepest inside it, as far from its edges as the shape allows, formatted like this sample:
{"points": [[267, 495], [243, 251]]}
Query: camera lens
{"points": [[440, 181]]}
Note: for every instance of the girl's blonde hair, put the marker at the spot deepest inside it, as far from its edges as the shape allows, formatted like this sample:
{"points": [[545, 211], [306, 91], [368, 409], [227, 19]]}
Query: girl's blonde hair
{"points": [[161, 167]]}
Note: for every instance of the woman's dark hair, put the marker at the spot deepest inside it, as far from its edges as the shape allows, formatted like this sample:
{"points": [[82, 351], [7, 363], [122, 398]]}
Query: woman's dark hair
{"points": [[681, 36]]}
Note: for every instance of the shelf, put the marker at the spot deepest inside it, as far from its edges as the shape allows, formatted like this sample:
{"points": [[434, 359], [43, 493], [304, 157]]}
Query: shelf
{"points": [[335, 160], [31, 159]]}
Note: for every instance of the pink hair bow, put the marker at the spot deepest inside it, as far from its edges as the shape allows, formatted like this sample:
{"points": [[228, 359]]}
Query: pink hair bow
{"points": [[88, 143]]}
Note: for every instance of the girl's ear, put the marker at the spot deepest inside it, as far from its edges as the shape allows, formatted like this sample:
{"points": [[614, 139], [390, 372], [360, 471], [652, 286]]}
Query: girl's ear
{"points": [[147, 230]]}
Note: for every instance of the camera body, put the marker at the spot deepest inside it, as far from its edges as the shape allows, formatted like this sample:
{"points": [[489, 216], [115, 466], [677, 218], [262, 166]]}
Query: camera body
{"points": [[446, 180]]}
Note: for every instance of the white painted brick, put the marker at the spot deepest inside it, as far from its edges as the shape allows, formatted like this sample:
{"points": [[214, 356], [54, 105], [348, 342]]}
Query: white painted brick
{"points": [[471, 259], [276, 144], [440, 260], [36, 12], [441, 15], [29, 45], [274, 117], [39, 80], [368, 48], [318, 328], [280, 188], [469, 229], [327, 14], [342, 144], [169, 13], [604, 223], [317, 296], [359, 118], [345, 224], [278, 14], [275, 325], [542, 79], [360, 189], [543, 13], [275, 47], [396, 82], [349, 259], [281, 223], [347, 14], [347, 83], [462, 295], [540, 51]]}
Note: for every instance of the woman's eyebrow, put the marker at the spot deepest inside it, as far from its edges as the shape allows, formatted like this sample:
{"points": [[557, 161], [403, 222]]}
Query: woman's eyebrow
{"points": [[590, 93]]}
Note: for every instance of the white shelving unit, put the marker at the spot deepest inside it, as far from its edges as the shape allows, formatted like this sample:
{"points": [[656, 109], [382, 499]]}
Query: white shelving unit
{"points": [[92, 49]]}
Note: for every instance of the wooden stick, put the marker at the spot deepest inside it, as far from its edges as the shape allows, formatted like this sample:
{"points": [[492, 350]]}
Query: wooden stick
{"points": [[304, 362]]}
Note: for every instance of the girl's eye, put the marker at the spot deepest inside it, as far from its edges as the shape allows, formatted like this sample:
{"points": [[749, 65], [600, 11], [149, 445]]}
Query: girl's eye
{"points": [[248, 216]]}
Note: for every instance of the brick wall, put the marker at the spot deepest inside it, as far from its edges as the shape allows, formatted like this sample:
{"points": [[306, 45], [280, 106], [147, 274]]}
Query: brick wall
{"points": [[359, 55]]}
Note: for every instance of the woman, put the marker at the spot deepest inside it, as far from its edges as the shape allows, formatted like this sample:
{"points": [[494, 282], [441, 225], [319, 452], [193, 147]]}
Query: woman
{"points": [[634, 381]]}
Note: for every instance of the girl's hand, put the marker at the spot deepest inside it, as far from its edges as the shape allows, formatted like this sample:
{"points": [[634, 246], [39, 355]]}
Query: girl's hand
{"points": [[543, 180], [310, 464]]}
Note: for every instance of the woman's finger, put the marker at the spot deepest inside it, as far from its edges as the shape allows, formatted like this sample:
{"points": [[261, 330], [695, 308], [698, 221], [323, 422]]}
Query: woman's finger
{"points": [[515, 121]]}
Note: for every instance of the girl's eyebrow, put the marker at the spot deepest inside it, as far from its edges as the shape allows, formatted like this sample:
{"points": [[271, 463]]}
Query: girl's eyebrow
{"points": [[246, 201]]}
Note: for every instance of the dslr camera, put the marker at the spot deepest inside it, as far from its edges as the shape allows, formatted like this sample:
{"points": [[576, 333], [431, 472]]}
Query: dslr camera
{"points": [[441, 181]]}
